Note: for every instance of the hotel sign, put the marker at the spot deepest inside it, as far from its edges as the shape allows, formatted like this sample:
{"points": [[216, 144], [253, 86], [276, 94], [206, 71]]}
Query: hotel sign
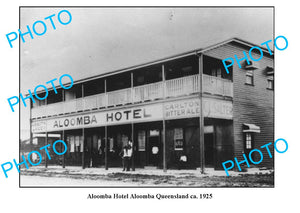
{"points": [[212, 108], [182, 109], [97, 119], [188, 108], [39, 126]]}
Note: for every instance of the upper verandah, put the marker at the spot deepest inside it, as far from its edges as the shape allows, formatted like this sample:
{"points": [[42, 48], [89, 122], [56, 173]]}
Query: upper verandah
{"points": [[233, 41], [176, 76]]}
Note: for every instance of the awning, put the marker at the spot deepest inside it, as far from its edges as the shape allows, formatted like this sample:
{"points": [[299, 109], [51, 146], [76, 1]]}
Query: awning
{"points": [[270, 70], [251, 128]]}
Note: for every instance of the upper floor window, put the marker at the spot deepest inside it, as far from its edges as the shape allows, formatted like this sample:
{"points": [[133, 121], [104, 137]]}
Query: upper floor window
{"points": [[92, 87], [55, 97], [270, 81], [147, 75], [216, 72], [215, 67], [38, 103], [249, 77], [182, 67]]}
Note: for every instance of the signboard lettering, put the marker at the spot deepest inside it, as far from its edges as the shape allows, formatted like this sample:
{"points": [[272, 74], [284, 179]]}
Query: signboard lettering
{"points": [[188, 108], [191, 108], [97, 119], [83, 120]]}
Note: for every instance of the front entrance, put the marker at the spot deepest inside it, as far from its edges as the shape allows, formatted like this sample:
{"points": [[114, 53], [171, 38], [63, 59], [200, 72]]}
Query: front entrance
{"points": [[94, 147], [154, 148], [94, 152], [209, 149], [55, 159]]}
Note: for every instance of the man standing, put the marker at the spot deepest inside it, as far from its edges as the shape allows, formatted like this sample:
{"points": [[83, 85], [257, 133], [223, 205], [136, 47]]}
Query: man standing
{"points": [[126, 156], [129, 155]]}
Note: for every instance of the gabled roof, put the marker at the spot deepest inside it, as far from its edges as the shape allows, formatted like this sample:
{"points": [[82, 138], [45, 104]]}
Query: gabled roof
{"points": [[238, 42], [233, 41]]}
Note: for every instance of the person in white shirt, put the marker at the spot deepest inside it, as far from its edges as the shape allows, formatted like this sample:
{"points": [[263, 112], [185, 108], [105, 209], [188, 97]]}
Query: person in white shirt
{"points": [[126, 156], [183, 161]]}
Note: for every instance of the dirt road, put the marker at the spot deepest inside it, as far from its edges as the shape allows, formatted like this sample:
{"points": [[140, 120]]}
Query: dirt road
{"points": [[36, 178]]}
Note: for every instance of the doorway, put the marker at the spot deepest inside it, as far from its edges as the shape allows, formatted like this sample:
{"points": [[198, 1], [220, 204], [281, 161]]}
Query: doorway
{"points": [[209, 149], [93, 151], [154, 147]]}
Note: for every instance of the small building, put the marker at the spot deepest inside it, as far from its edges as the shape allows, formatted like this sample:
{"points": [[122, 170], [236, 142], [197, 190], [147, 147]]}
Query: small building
{"points": [[184, 105]]}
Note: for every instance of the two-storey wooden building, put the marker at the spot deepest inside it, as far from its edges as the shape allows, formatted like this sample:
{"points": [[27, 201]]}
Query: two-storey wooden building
{"points": [[182, 105]]}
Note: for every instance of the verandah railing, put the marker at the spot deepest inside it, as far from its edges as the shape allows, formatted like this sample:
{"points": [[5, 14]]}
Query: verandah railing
{"points": [[149, 92]]}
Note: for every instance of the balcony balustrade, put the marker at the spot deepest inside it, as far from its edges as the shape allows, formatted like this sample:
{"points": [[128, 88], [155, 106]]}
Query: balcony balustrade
{"points": [[148, 92], [217, 86], [171, 88]]}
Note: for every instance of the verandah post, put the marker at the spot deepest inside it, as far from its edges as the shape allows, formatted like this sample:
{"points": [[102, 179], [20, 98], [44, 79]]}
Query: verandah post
{"points": [[164, 122], [106, 148], [201, 118]]}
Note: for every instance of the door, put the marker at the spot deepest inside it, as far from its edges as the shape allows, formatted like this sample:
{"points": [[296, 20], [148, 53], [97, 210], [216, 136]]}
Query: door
{"points": [[92, 152], [209, 149], [55, 159], [95, 151], [154, 149], [88, 152]]}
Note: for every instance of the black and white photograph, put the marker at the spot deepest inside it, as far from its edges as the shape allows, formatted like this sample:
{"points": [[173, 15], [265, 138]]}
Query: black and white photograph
{"points": [[147, 96], [149, 106]]}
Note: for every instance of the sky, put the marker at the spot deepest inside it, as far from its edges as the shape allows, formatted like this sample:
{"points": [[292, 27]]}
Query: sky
{"points": [[101, 40]]}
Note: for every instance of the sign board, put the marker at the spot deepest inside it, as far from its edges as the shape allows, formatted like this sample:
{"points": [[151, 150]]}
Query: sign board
{"points": [[182, 109], [97, 119], [212, 108], [38, 126]]}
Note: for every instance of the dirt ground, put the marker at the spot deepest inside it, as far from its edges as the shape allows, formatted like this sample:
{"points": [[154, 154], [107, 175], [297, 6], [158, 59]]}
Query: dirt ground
{"points": [[138, 179]]}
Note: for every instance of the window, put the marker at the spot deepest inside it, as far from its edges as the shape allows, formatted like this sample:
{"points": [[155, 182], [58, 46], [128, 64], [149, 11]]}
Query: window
{"points": [[111, 144], [216, 72], [270, 81], [178, 139], [142, 140], [37, 102], [219, 73], [181, 67], [124, 139], [75, 142], [249, 78], [54, 97], [92, 87], [248, 141]]}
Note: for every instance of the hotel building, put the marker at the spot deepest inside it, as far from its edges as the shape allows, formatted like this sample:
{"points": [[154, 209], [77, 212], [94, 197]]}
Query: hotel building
{"points": [[184, 105]]}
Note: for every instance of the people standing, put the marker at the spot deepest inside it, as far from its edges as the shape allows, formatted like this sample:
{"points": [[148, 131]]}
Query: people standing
{"points": [[129, 153], [126, 154]]}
